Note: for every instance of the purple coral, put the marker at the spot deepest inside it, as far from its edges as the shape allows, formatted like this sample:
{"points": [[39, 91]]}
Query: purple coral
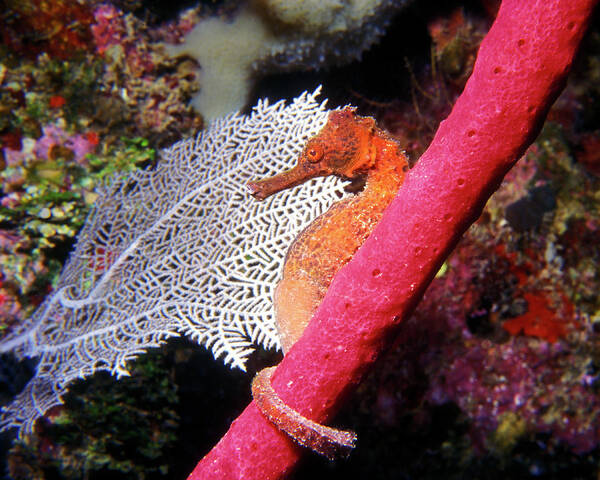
{"points": [[54, 136], [545, 386], [109, 28]]}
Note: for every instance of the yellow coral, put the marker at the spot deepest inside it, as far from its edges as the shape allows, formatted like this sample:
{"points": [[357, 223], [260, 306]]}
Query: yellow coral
{"points": [[276, 35], [225, 52], [308, 16]]}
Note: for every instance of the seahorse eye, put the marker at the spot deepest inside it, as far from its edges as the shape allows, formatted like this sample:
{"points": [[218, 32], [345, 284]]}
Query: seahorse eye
{"points": [[314, 153]]}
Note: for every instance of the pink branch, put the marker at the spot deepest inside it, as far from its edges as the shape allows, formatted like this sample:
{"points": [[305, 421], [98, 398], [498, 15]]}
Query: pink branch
{"points": [[521, 67]]}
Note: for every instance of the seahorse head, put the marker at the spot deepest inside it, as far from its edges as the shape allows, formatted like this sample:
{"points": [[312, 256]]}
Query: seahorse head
{"points": [[343, 147]]}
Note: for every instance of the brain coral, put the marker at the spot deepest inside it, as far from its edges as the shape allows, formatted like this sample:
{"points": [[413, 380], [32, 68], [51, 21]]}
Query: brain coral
{"points": [[275, 35]]}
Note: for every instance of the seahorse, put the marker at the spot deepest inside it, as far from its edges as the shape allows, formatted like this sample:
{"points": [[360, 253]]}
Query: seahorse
{"points": [[354, 148]]}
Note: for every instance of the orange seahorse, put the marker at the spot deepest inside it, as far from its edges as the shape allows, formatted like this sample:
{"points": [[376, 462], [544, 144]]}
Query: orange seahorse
{"points": [[351, 147]]}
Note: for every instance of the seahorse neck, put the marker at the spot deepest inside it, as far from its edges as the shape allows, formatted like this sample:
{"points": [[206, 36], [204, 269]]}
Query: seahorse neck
{"points": [[385, 178]]}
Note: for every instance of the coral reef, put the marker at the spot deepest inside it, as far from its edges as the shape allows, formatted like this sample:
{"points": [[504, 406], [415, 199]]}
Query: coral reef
{"points": [[417, 416], [70, 117], [143, 85], [492, 280], [526, 400], [507, 96], [60, 28], [67, 126], [457, 385], [106, 428]]}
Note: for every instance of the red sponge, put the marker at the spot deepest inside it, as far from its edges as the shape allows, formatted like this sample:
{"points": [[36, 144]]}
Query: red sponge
{"points": [[520, 69]]}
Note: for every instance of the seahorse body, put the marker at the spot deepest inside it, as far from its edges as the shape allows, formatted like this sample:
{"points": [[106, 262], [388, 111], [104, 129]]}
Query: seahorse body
{"points": [[349, 146]]}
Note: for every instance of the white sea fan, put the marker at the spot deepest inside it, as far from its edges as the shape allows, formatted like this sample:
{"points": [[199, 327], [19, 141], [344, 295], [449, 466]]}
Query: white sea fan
{"points": [[182, 249]]}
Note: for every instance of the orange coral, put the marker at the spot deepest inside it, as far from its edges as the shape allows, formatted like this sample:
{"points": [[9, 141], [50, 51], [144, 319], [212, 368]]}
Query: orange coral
{"points": [[539, 320], [57, 101], [58, 27]]}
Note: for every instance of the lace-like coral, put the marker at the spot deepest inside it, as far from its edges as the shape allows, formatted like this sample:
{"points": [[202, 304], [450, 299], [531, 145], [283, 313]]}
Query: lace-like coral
{"points": [[180, 249]]}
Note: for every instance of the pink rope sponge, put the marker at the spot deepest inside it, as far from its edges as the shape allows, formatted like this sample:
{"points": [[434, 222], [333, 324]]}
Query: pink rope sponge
{"points": [[521, 68]]}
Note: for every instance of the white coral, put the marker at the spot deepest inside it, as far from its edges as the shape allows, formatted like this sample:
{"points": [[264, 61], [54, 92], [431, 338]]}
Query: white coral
{"points": [[181, 249]]}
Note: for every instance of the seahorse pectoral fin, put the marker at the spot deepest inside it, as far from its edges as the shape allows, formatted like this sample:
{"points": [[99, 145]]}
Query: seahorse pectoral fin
{"points": [[263, 189]]}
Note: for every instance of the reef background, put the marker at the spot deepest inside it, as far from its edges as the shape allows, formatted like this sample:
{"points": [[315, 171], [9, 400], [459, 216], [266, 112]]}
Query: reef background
{"points": [[495, 376]]}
